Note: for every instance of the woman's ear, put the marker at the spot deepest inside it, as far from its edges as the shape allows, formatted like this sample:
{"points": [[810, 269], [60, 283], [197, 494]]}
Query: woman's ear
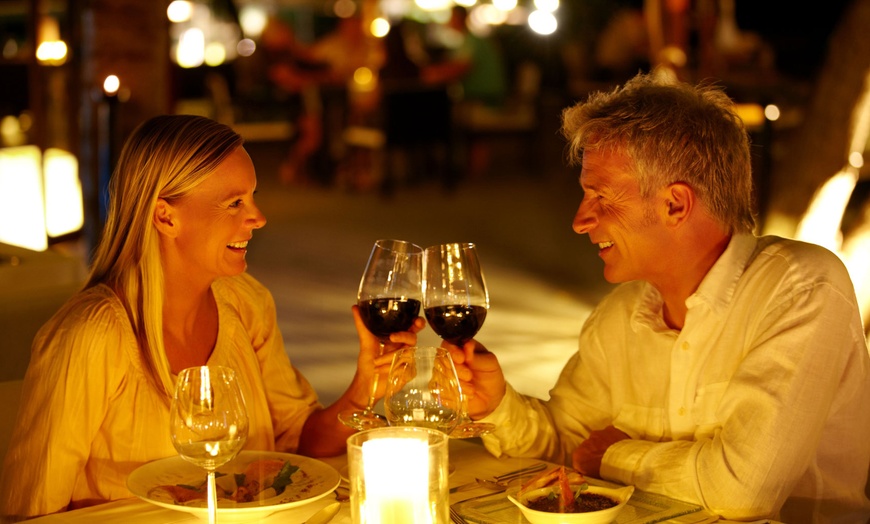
{"points": [[165, 219], [680, 200]]}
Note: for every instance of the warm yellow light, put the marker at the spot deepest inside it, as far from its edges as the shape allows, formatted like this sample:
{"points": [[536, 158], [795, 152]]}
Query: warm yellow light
{"points": [[821, 222], [433, 5], [547, 5], [543, 22], [215, 54], [64, 211], [505, 5], [22, 218], [856, 159], [751, 114], [772, 112], [191, 49], [111, 85], [52, 52], [380, 27], [179, 11], [253, 20], [363, 78]]}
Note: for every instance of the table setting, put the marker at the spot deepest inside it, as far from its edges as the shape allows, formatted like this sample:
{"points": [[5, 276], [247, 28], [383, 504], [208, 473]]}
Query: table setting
{"points": [[420, 461]]}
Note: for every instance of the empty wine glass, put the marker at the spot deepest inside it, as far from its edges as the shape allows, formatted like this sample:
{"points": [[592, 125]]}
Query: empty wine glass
{"points": [[423, 390], [389, 299], [455, 301], [208, 421]]}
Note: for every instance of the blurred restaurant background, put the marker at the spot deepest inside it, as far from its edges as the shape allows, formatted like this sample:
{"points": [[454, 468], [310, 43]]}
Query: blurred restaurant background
{"points": [[365, 105]]}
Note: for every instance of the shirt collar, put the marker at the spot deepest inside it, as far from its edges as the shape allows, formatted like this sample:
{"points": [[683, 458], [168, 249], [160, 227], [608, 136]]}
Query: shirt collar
{"points": [[716, 289], [719, 284]]}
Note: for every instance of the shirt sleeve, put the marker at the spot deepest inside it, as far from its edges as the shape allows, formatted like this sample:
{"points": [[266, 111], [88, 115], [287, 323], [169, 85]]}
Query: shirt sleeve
{"points": [[290, 397], [77, 363]]}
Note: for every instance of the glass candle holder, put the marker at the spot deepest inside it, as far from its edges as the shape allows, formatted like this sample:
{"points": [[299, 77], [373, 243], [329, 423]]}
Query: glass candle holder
{"points": [[398, 475]]}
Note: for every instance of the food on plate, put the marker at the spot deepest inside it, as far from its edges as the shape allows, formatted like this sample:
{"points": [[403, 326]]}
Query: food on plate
{"points": [[261, 479], [583, 502], [566, 502]]}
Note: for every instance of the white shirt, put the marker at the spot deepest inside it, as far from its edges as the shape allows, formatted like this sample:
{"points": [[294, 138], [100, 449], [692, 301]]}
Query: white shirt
{"points": [[761, 402]]}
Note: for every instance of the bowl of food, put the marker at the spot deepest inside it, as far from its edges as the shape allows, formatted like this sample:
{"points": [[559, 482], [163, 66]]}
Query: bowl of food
{"points": [[559, 497]]}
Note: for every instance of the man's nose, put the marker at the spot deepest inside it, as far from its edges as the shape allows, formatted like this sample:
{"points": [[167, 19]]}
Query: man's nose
{"points": [[584, 219]]}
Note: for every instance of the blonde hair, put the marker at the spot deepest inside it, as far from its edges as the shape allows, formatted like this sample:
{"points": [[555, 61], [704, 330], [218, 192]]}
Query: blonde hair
{"points": [[165, 157], [672, 132]]}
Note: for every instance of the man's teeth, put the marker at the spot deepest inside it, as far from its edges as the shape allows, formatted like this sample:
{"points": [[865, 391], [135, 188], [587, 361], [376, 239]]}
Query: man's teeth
{"points": [[238, 245], [602, 245]]}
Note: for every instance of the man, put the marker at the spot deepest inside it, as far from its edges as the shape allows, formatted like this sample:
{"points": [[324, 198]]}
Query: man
{"points": [[726, 369]]}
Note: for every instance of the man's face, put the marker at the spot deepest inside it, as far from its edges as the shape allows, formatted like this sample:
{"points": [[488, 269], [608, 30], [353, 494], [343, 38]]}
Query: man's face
{"points": [[626, 228]]}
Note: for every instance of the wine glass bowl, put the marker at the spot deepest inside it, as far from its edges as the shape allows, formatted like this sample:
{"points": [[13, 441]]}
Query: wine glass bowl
{"points": [[389, 300], [455, 297], [455, 302], [423, 390], [208, 420]]}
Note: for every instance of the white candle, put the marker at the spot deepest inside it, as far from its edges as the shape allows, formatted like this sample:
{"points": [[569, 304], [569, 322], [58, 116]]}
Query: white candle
{"points": [[396, 472]]}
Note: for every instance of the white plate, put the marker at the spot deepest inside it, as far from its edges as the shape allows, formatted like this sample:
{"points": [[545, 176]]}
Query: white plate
{"points": [[312, 481]]}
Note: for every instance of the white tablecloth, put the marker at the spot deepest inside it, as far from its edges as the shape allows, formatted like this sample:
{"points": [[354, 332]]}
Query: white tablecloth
{"points": [[469, 458]]}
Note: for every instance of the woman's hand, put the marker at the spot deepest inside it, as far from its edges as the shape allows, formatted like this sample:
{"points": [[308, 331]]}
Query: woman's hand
{"points": [[481, 377], [372, 360]]}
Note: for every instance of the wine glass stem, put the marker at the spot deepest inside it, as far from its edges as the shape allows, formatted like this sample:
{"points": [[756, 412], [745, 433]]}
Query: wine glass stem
{"points": [[212, 498], [374, 392]]}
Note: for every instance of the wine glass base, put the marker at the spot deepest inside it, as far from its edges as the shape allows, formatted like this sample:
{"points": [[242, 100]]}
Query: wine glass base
{"points": [[362, 420], [472, 429]]}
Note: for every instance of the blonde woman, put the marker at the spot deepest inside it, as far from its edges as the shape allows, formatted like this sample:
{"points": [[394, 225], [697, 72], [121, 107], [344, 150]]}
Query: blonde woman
{"points": [[167, 290]]}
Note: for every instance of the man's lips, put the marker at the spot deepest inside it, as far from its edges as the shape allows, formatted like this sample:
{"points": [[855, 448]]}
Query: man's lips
{"points": [[238, 245]]}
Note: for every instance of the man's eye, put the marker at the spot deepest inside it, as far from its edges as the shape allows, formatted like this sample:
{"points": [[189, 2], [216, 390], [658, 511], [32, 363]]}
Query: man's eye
{"points": [[237, 203]]}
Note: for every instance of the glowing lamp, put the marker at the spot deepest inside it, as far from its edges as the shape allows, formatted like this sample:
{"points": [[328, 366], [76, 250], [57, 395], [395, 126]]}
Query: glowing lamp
{"points": [[44, 196]]}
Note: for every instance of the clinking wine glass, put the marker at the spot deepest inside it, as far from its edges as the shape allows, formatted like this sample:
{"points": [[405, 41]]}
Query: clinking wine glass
{"points": [[389, 299], [455, 301], [208, 421], [423, 390]]}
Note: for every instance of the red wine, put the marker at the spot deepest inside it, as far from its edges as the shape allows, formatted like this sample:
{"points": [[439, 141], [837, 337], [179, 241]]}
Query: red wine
{"points": [[456, 324], [383, 316]]}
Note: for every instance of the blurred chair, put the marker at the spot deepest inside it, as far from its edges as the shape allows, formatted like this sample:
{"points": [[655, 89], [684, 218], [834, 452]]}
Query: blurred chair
{"points": [[518, 118]]}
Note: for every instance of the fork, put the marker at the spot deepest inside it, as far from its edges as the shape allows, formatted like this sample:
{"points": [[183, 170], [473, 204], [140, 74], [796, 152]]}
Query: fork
{"points": [[500, 481], [455, 517]]}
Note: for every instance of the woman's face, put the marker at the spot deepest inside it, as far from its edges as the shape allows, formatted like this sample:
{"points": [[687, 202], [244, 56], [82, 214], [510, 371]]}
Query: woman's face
{"points": [[217, 219]]}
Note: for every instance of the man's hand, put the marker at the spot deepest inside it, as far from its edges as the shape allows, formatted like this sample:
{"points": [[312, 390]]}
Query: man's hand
{"points": [[481, 377], [587, 457]]}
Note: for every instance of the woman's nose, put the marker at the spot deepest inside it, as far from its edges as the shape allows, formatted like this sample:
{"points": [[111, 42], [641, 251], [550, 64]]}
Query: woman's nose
{"points": [[258, 218]]}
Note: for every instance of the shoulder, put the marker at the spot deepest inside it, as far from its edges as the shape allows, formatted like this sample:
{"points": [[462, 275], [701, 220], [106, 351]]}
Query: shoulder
{"points": [[92, 321], [245, 294], [799, 262]]}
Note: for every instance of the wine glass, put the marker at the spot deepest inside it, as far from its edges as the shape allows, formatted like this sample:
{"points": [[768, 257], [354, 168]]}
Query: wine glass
{"points": [[423, 389], [208, 421], [455, 301], [389, 298]]}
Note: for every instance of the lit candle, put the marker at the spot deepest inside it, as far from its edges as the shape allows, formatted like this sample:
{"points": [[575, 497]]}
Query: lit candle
{"points": [[396, 472]]}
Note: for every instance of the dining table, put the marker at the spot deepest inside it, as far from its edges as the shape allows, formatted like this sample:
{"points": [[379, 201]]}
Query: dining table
{"points": [[468, 459]]}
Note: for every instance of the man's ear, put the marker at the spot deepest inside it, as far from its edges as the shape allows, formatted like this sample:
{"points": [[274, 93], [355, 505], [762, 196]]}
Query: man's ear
{"points": [[680, 200], [165, 219]]}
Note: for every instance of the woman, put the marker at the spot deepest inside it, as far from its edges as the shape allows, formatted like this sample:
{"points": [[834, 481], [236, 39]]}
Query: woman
{"points": [[167, 290]]}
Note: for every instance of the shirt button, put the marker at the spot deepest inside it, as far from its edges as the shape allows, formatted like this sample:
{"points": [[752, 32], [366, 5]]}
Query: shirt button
{"points": [[684, 346], [682, 412]]}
